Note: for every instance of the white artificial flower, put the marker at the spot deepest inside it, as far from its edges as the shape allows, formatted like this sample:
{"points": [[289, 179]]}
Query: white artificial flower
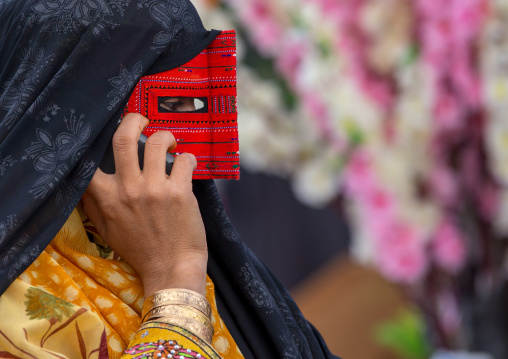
{"points": [[362, 244], [314, 182], [424, 215]]}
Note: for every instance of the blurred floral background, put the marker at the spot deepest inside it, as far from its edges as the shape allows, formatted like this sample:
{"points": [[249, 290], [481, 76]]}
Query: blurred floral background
{"points": [[392, 112]]}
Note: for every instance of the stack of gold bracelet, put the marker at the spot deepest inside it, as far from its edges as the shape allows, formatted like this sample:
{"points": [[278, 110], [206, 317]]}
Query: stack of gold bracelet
{"points": [[182, 307]]}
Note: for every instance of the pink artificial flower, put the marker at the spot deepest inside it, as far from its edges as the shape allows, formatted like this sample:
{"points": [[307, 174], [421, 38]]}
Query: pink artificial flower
{"points": [[448, 247], [468, 82], [264, 30], [378, 91], [448, 112], [268, 37], [431, 8], [380, 201], [379, 208], [406, 265], [468, 17], [444, 185], [358, 174], [437, 36], [315, 106], [353, 49], [400, 251], [449, 32], [341, 12], [319, 112], [352, 43], [290, 59]]}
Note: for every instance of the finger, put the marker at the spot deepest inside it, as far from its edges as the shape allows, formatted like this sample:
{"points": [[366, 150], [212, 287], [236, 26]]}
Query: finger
{"points": [[156, 147], [125, 146], [181, 174]]}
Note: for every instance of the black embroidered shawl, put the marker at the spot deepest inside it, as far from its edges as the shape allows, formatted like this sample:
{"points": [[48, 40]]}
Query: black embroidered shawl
{"points": [[67, 68]]}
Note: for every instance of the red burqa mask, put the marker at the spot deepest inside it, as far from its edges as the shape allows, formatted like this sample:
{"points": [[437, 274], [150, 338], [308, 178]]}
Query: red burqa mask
{"points": [[210, 131]]}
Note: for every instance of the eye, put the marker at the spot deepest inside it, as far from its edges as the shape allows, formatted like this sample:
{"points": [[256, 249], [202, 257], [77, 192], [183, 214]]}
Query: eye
{"points": [[175, 104], [182, 104]]}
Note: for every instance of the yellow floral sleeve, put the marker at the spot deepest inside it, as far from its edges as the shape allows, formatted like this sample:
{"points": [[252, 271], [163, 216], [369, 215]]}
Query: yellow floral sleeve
{"points": [[77, 300], [49, 326]]}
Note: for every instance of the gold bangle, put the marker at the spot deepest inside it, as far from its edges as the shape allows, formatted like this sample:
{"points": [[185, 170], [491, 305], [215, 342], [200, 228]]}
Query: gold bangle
{"points": [[205, 311], [180, 311], [186, 323], [176, 296]]}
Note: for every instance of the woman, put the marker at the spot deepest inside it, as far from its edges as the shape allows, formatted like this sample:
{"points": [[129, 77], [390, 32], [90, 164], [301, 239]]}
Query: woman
{"points": [[67, 70]]}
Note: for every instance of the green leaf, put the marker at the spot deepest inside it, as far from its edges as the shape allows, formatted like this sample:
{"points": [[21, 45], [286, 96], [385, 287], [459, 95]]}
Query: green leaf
{"points": [[411, 55], [354, 133], [405, 334]]}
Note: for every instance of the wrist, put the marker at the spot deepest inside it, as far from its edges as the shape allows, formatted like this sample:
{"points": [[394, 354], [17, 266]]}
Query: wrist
{"points": [[185, 274]]}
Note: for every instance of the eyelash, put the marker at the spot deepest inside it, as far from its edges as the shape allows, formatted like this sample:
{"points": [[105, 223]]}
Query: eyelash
{"points": [[172, 105]]}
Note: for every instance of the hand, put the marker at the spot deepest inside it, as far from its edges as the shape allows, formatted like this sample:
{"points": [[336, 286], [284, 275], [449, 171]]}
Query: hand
{"points": [[150, 219]]}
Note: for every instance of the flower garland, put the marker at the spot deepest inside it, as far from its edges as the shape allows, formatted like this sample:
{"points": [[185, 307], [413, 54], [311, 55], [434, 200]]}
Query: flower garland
{"points": [[400, 107]]}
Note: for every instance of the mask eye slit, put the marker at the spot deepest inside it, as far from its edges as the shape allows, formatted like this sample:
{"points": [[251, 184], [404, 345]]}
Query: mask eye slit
{"points": [[182, 104]]}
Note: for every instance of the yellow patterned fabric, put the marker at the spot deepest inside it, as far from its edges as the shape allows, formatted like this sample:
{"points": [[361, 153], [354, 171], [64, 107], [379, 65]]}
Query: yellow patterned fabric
{"points": [[98, 300]]}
